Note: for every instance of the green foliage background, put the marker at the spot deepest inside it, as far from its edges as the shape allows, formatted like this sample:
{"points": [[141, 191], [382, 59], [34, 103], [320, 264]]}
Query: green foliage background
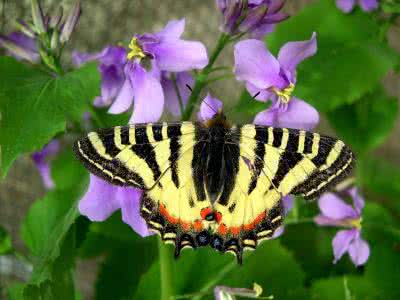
{"points": [[343, 81]]}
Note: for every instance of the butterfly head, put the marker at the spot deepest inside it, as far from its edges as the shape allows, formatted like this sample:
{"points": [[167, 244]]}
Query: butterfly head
{"points": [[218, 120]]}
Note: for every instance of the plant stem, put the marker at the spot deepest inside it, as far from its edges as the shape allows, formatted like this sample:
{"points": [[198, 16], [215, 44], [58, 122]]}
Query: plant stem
{"points": [[201, 78], [165, 271]]}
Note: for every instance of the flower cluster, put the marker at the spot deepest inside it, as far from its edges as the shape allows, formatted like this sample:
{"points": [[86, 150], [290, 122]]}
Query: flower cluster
{"points": [[274, 79], [44, 38], [348, 5], [125, 79], [335, 212], [257, 17]]}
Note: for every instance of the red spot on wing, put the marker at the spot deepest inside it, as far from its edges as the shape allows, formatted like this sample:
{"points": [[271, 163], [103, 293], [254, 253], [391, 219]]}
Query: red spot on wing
{"points": [[198, 226], [205, 212], [222, 229], [218, 217]]}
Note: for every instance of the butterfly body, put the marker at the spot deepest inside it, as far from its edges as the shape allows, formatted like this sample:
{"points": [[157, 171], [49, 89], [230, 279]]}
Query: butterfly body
{"points": [[214, 183]]}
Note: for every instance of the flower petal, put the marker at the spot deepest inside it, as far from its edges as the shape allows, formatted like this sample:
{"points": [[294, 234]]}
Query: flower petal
{"points": [[255, 64], [112, 79], [358, 200], [171, 97], [266, 117], [292, 53], [334, 207], [369, 5], [209, 108], [298, 114], [148, 94], [359, 251], [99, 202], [323, 220], [288, 202], [177, 55], [129, 199], [278, 232], [345, 5], [262, 30], [124, 99], [173, 29], [341, 242], [259, 94]]}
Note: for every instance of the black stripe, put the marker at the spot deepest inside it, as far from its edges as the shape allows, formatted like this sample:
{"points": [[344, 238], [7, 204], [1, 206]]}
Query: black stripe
{"points": [[261, 134], [145, 150], [125, 135], [107, 138], [259, 152], [157, 132], [114, 166], [231, 160], [175, 148], [174, 130], [308, 142], [293, 140], [317, 177], [325, 146], [199, 163], [278, 133], [287, 162]]}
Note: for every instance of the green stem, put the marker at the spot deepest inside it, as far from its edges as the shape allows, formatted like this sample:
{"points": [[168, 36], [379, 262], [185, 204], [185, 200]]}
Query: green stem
{"points": [[165, 271], [201, 78], [299, 221]]}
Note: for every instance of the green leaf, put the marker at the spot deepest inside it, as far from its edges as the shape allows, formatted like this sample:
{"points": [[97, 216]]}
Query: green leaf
{"points": [[35, 105], [348, 64], [366, 123], [5, 241], [49, 233], [15, 292], [346, 287], [125, 264], [383, 269], [60, 283], [369, 176], [271, 266]]}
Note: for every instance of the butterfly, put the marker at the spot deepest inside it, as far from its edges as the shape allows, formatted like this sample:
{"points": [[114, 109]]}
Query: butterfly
{"points": [[213, 183]]}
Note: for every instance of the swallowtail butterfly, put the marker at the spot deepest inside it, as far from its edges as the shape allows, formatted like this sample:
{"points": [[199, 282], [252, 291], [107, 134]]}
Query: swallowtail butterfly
{"points": [[213, 183]]}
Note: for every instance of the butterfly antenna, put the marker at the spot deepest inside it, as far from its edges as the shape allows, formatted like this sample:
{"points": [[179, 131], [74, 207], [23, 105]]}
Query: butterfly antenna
{"points": [[212, 108], [253, 97], [189, 87]]}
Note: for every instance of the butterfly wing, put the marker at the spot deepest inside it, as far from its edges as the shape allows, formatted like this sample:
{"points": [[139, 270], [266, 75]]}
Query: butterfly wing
{"points": [[165, 161], [268, 164]]}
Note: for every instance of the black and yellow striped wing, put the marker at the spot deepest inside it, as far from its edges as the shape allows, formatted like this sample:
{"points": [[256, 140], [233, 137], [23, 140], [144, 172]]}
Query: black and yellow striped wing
{"points": [[213, 184], [275, 162]]}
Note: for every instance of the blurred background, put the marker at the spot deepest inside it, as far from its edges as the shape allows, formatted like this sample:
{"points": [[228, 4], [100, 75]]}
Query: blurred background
{"points": [[110, 22]]}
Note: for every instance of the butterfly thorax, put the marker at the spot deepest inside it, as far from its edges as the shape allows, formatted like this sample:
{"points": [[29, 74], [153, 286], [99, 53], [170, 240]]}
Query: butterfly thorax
{"points": [[218, 130]]}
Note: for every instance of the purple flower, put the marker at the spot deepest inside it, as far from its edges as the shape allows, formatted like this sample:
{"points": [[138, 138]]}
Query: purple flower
{"points": [[128, 81], [20, 46], [208, 108], [173, 100], [275, 79], [102, 199], [257, 17], [41, 160], [335, 212], [288, 202], [366, 5], [112, 61]]}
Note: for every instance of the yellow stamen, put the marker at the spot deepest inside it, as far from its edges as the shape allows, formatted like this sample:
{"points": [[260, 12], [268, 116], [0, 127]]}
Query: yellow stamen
{"points": [[353, 223], [285, 94], [136, 51]]}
